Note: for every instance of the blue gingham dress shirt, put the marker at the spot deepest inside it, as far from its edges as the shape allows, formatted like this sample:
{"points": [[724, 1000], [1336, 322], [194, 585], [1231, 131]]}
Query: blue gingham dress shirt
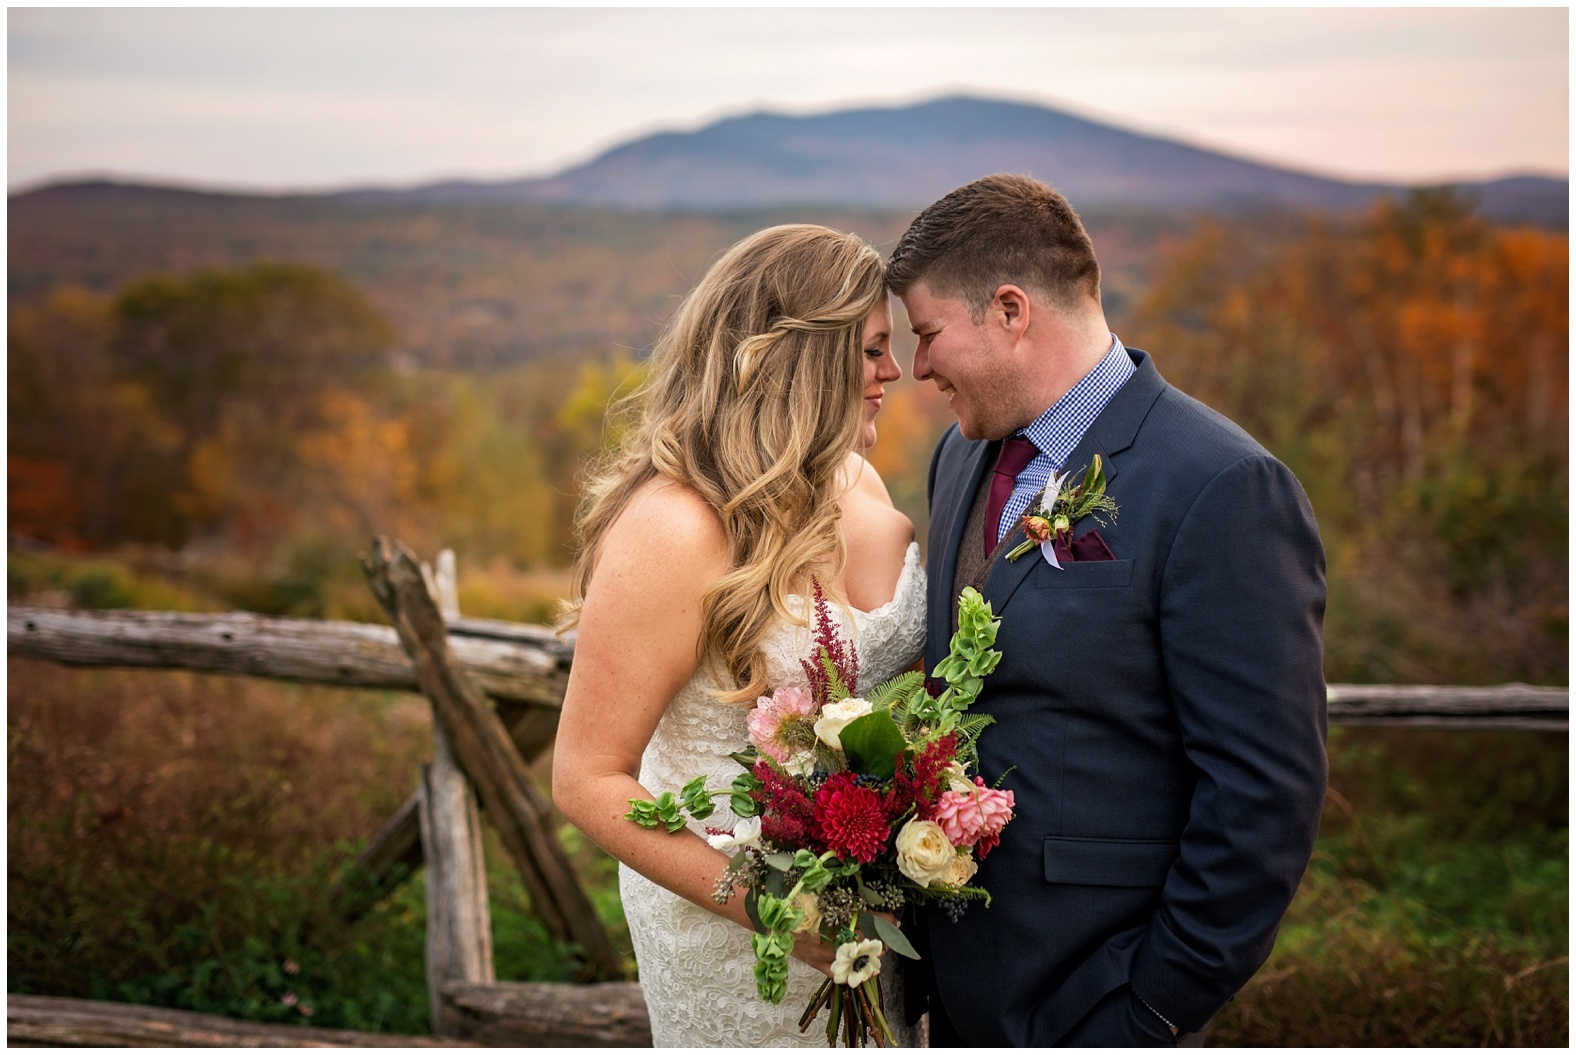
{"points": [[1056, 432]]}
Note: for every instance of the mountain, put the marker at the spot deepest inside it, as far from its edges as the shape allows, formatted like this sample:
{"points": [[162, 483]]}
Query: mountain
{"points": [[479, 275], [906, 157]]}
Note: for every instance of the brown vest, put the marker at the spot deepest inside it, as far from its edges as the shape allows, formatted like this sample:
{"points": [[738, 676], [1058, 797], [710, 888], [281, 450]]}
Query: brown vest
{"points": [[973, 565]]}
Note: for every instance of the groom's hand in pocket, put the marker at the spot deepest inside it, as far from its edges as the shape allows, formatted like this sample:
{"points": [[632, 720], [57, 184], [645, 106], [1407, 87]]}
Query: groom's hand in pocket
{"points": [[1119, 1020]]}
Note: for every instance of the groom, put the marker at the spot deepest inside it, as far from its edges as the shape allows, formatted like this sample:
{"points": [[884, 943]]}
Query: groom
{"points": [[1160, 704]]}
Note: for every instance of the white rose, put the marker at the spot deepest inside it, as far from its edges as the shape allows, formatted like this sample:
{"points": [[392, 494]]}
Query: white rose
{"points": [[807, 903], [746, 833], [923, 852], [857, 961], [834, 716], [960, 870]]}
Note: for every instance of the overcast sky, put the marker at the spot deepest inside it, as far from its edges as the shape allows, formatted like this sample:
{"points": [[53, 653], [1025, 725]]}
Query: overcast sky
{"points": [[278, 99]]}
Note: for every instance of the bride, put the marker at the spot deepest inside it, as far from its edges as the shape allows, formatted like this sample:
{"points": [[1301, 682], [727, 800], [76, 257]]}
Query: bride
{"points": [[740, 485]]}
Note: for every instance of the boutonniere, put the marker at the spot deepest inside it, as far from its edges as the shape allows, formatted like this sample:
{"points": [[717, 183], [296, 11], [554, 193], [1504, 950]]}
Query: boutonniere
{"points": [[1060, 507]]}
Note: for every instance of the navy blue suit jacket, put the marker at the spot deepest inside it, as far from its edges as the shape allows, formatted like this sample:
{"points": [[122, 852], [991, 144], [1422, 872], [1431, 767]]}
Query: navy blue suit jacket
{"points": [[1163, 719]]}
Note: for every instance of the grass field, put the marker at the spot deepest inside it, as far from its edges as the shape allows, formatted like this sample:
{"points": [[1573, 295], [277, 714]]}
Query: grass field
{"points": [[171, 837]]}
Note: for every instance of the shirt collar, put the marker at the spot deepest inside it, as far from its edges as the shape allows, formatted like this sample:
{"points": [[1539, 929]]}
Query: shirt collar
{"points": [[1057, 431]]}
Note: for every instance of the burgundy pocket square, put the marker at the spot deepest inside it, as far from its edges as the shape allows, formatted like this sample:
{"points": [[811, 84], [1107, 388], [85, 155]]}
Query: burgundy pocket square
{"points": [[1085, 547]]}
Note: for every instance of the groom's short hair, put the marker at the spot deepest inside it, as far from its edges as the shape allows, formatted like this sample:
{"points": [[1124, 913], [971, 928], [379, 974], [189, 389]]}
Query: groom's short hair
{"points": [[998, 230]]}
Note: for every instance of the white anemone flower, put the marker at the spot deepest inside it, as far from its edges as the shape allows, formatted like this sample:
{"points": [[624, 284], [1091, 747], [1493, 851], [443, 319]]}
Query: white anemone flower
{"points": [[746, 833], [856, 961]]}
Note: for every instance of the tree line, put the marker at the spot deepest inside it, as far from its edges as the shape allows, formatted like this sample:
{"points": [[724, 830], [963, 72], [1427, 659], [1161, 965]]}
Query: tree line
{"points": [[1409, 365]]}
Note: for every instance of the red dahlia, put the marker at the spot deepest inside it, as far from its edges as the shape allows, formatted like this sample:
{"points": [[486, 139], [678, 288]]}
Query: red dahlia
{"points": [[850, 819]]}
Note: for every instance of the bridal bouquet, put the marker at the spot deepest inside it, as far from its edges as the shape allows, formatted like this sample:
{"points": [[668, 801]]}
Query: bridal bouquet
{"points": [[850, 808]]}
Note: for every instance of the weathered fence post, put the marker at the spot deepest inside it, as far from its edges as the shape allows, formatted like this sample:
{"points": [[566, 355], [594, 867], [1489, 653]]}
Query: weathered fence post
{"points": [[488, 757], [459, 925]]}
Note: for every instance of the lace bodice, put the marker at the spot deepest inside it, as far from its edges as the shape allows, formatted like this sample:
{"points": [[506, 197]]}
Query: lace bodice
{"points": [[696, 968]]}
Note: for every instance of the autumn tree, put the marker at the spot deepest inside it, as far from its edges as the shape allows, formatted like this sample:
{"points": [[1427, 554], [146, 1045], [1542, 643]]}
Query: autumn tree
{"points": [[1409, 366]]}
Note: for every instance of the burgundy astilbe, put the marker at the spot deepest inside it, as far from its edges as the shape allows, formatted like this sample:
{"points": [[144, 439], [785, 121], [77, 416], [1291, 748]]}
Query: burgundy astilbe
{"points": [[900, 798], [930, 776], [787, 814], [832, 646]]}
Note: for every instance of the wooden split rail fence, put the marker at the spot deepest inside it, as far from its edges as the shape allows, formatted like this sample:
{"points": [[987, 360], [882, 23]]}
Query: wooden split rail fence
{"points": [[495, 690]]}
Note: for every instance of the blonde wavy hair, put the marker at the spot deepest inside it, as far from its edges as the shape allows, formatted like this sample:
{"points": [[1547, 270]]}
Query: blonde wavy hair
{"points": [[752, 400]]}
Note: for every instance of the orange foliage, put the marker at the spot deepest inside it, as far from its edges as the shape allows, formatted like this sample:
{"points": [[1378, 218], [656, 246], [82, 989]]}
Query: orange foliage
{"points": [[41, 503], [1411, 368]]}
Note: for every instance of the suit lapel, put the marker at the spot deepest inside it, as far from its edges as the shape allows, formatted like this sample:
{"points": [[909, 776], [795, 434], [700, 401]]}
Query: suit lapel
{"points": [[1108, 436]]}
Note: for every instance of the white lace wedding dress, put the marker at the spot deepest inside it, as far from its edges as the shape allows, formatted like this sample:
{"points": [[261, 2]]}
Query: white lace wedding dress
{"points": [[696, 968]]}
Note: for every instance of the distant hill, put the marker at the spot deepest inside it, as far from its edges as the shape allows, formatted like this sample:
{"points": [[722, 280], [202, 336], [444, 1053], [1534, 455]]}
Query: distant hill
{"points": [[479, 275], [905, 157]]}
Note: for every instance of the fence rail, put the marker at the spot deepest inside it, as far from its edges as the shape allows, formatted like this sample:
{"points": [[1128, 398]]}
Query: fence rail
{"points": [[480, 752], [508, 661], [520, 664]]}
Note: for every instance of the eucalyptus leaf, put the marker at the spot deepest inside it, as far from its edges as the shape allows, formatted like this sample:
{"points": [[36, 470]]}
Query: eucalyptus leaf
{"points": [[894, 938]]}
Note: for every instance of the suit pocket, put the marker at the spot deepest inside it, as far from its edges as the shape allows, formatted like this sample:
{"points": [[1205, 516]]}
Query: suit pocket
{"points": [[1108, 862], [1084, 575]]}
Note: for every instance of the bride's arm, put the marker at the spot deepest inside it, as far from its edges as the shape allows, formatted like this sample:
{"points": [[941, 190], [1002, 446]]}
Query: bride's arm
{"points": [[636, 647]]}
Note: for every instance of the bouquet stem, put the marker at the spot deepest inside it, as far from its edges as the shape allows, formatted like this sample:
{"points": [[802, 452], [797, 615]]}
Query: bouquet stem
{"points": [[835, 1018], [857, 1015], [851, 1031], [823, 997], [872, 993]]}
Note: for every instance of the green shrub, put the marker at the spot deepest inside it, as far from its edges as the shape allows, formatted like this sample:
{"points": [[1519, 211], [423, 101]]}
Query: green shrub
{"points": [[172, 838], [1435, 911]]}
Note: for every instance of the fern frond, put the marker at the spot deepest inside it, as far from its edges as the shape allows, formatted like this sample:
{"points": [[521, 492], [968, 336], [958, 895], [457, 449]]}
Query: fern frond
{"points": [[836, 689], [970, 725], [896, 691]]}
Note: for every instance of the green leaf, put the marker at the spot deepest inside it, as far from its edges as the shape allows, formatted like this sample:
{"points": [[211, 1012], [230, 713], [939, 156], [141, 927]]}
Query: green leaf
{"points": [[836, 690], [664, 810], [984, 663], [642, 812], [778, 915], [1092, 478], [694, 798], [894, 938], [871, 744]]}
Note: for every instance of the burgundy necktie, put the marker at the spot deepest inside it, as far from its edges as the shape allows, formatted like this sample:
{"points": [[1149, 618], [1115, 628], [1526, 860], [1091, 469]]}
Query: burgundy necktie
{"points": [[1016, 453]]}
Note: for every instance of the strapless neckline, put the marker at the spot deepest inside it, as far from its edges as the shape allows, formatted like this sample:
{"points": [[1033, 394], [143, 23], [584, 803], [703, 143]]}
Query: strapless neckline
{"points": [[911, 568]]}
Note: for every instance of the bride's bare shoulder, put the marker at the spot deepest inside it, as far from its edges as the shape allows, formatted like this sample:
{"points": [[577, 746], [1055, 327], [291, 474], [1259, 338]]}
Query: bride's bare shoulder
{"points": [[861, 479], [667, 523], [868, 511]]}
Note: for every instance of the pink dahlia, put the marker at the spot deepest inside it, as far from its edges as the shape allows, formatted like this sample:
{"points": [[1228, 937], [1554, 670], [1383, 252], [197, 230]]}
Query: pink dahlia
{"points": [[976, 816], [850, 819], [779, 721]]}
